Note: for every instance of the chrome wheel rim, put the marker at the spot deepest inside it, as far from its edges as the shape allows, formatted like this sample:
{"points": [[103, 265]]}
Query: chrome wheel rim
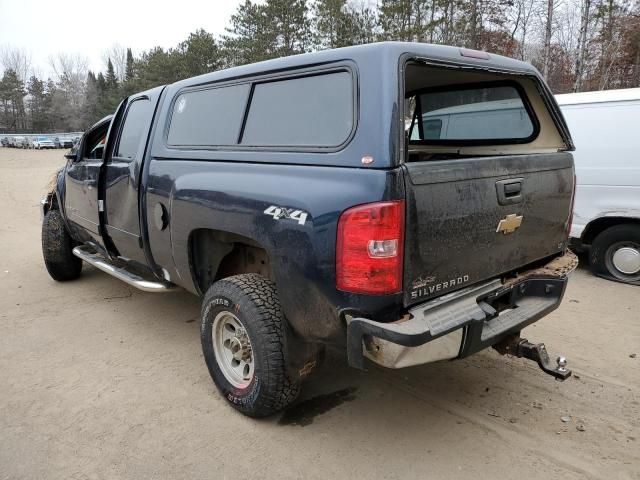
{"points": [[626, 259], [232, 349]]}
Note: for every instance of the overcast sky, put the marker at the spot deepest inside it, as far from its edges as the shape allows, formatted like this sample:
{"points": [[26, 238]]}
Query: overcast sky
{"points": [[88, 27]]}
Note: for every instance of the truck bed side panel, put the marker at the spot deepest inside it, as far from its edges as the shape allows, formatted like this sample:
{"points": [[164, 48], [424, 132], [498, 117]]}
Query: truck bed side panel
{"points": [[232, 197]]}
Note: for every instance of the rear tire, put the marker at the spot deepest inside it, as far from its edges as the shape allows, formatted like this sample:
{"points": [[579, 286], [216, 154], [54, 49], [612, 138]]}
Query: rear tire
{"points": [[57, 247], [243, 332], [615, 253]]}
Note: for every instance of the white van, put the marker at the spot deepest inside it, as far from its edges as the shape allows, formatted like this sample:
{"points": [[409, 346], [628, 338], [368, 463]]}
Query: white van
{"points": [[605, 127]]}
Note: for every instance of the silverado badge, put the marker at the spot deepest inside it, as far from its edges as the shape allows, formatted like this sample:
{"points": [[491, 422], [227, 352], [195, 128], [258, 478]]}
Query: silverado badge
{"points": [[509, 224]]}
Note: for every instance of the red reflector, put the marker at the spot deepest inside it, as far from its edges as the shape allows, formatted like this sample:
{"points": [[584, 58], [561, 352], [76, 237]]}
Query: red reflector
{"points": [[369, 249]]}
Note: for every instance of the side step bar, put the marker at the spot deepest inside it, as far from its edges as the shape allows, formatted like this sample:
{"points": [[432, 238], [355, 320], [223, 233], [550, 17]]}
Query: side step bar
{"points": [[120, 273]]}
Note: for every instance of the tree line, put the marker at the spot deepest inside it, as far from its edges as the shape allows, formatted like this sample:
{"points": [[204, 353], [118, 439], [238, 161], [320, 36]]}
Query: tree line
{"points": [[578, 45]]}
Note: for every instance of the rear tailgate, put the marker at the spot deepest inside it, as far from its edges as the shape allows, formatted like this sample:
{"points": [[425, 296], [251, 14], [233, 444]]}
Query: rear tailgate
{"points": [[470, 220]]}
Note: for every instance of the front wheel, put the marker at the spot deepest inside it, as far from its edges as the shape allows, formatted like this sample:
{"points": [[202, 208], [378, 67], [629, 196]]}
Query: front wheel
{"points": [[615, 253], [243, 341], [57, 249]]}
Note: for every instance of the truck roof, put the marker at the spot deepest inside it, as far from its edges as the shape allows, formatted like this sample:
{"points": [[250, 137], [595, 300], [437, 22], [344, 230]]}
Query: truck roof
{"points": [[601, 96], [384, 53]]}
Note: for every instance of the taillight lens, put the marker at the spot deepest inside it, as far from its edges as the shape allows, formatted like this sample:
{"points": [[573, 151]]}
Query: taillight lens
{"points": [[369, 248]]}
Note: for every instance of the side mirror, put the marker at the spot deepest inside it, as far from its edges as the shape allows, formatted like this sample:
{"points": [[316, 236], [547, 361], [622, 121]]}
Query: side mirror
{"points": [[71, 156]]}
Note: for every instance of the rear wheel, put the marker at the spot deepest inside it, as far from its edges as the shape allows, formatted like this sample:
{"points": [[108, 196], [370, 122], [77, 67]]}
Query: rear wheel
{"points": [[243, 342], [57, 249], [616, 253]]}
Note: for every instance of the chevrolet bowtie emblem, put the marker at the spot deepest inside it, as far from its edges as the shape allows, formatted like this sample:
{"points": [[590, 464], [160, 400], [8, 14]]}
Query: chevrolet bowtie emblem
{"points": [[509, 224]]}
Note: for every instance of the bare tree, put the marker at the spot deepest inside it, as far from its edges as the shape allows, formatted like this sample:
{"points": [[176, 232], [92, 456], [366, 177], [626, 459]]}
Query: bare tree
{"points": [[118, 55], [16, 59], [548, 30], [581, 53], [68, 98], [522, 14], [69, 65]]}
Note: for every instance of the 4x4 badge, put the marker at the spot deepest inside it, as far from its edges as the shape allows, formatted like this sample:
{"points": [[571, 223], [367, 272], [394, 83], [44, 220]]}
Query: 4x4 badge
{"points": [[509, 224], [279, 213]]}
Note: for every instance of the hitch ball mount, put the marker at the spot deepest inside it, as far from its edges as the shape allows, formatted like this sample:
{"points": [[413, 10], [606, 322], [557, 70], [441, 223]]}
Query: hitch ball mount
{"points": [[523, 348]]}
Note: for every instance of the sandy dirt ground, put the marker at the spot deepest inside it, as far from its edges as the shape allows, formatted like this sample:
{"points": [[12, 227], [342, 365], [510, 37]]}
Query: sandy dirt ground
{"points": [[98, 380]]}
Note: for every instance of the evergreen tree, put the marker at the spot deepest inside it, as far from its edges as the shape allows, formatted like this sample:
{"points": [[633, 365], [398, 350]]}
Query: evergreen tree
{"points": [[247, 41], [158, 67], [331, 22], [362, 25], [90, 108], [288, 27], [37, 104], [407, 20], [111, 79], [54, 117], [12, 94], [199, 54], [129, 84], [129, 74], [262, 31]]}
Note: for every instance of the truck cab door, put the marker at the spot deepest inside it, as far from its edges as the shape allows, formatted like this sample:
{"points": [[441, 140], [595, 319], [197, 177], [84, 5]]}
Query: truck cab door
{"points": [[81, 183], [122, 169]]}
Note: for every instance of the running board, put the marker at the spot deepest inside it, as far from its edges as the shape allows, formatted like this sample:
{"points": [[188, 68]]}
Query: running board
{"points": [[120, 273]]}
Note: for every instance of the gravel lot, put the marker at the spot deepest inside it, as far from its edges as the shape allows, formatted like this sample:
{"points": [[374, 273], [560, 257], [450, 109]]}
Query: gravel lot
{"points": [[98, 380]]}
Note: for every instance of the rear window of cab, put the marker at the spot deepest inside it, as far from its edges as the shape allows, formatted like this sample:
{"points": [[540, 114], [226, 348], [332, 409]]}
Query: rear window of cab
{"points": [[312, 111]]}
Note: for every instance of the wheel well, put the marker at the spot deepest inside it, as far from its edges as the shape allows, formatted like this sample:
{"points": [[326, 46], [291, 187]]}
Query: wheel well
{"points": [[599, 225], [215, 254]]}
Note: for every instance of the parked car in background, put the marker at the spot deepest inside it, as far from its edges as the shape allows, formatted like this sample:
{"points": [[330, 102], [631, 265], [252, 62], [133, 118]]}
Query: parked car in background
{"points": [[66, 142], [4, 142], [42, 142], [606, 219], [21, 142]]}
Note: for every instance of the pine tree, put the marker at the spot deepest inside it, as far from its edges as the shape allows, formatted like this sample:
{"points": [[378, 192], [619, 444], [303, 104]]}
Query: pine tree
{"points": [[331, 22], [199, 54], [111, 79], [262, 31], [90, 108], [129, 74], [288, 26], [12, 94], [36, 104]]}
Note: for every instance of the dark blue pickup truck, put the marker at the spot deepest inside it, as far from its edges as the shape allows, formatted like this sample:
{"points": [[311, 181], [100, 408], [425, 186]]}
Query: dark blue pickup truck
{"points": [[406, 203]]}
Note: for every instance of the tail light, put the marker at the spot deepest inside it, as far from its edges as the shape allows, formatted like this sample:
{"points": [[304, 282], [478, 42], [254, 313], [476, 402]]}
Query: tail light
{"points": [[369, 249]]}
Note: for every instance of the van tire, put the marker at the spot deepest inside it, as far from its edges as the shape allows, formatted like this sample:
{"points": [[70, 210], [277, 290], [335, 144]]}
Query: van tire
{"points": [[605, 246], [57, 249], [251, 300]]}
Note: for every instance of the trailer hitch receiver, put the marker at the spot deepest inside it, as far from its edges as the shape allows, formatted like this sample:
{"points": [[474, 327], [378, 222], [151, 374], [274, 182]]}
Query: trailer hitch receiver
{"points": [[523, 348]]}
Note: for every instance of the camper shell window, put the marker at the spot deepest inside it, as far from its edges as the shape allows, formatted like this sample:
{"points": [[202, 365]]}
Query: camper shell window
{"points": [[480, 114]]}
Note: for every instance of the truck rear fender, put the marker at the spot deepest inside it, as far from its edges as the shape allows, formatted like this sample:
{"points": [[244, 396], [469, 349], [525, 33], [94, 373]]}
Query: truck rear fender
{"points": [[216, 254], [227, 218]]}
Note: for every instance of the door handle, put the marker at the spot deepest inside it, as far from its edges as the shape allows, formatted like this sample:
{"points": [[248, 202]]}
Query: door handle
{"points": [[509, 191]]}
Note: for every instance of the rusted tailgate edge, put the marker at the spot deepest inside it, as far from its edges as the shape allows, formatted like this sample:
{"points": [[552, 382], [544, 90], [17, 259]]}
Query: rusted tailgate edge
{"points": [[559, 267]]}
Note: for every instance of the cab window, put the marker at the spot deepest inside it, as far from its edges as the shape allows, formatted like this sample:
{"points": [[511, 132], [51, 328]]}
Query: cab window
{"points": [[135, 121]]}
